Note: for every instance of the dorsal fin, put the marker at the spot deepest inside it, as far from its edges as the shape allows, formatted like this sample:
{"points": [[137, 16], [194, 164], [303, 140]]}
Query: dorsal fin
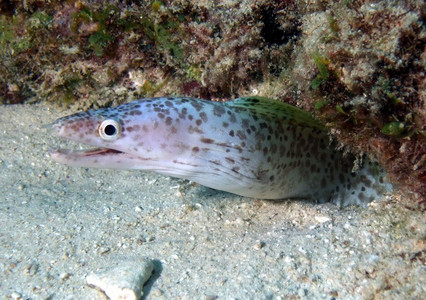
{"points": [[274, 109]]}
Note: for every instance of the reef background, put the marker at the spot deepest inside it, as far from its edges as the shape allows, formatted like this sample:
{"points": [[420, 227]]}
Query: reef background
{"points": [[357, 65]]}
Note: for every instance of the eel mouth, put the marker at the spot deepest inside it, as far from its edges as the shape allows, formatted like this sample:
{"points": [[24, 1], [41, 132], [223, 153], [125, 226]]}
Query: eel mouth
{"points": [[97, 158], [96, 151], [85, 153]]}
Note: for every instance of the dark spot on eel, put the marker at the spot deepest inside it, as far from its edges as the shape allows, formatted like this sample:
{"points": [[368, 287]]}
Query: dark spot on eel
{"points": [[207, 140]]}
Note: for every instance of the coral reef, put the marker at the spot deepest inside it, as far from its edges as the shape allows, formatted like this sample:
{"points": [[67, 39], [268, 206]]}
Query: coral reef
{"points": [[358, 65], [373, 96]]}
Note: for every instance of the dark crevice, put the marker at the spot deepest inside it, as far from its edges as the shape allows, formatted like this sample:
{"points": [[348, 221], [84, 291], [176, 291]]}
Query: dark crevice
{"points": [[7, 7], [272, 33]]}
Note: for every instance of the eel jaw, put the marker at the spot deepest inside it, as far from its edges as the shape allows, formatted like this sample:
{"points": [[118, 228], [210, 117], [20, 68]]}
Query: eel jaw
{"points": [[91, 152], [96, 158]]}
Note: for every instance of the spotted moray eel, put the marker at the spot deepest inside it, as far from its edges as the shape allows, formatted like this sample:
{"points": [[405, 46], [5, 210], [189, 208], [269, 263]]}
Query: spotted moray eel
{"points": [[252, 146]]}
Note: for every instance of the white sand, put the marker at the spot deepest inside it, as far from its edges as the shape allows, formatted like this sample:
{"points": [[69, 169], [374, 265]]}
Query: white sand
{"points": [[58, 224]]}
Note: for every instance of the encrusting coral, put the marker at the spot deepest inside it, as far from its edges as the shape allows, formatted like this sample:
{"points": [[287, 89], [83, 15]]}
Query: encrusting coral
{"points": [[358, 65]]}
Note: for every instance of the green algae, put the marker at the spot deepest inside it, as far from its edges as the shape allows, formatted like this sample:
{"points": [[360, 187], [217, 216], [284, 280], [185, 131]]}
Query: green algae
{"points": [[323, 73], [10, 42], [395, 129]]}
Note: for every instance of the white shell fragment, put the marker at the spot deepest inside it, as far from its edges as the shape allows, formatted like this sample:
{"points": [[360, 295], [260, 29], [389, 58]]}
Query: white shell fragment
{"points": [[124, 281], [322, 219]]}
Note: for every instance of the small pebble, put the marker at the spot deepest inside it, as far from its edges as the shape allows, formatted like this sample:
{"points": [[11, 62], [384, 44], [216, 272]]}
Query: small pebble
{"points": [[104, 250], [157, 293], [124, 281], [288, 259], [259, 245], [15, 295], [32, 269], [302, 292], [64, 276], [322, 219]]}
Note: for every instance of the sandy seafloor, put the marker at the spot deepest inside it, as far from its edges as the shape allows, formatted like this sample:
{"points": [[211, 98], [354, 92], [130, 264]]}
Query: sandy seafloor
{"points": [[59, 223]]}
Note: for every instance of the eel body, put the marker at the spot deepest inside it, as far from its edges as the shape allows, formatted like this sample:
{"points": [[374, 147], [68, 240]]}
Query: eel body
{"points": [[251, 146]]}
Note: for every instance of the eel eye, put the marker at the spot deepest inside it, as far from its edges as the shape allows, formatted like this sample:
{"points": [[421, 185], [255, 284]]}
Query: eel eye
{"points": [[109, 130]]}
